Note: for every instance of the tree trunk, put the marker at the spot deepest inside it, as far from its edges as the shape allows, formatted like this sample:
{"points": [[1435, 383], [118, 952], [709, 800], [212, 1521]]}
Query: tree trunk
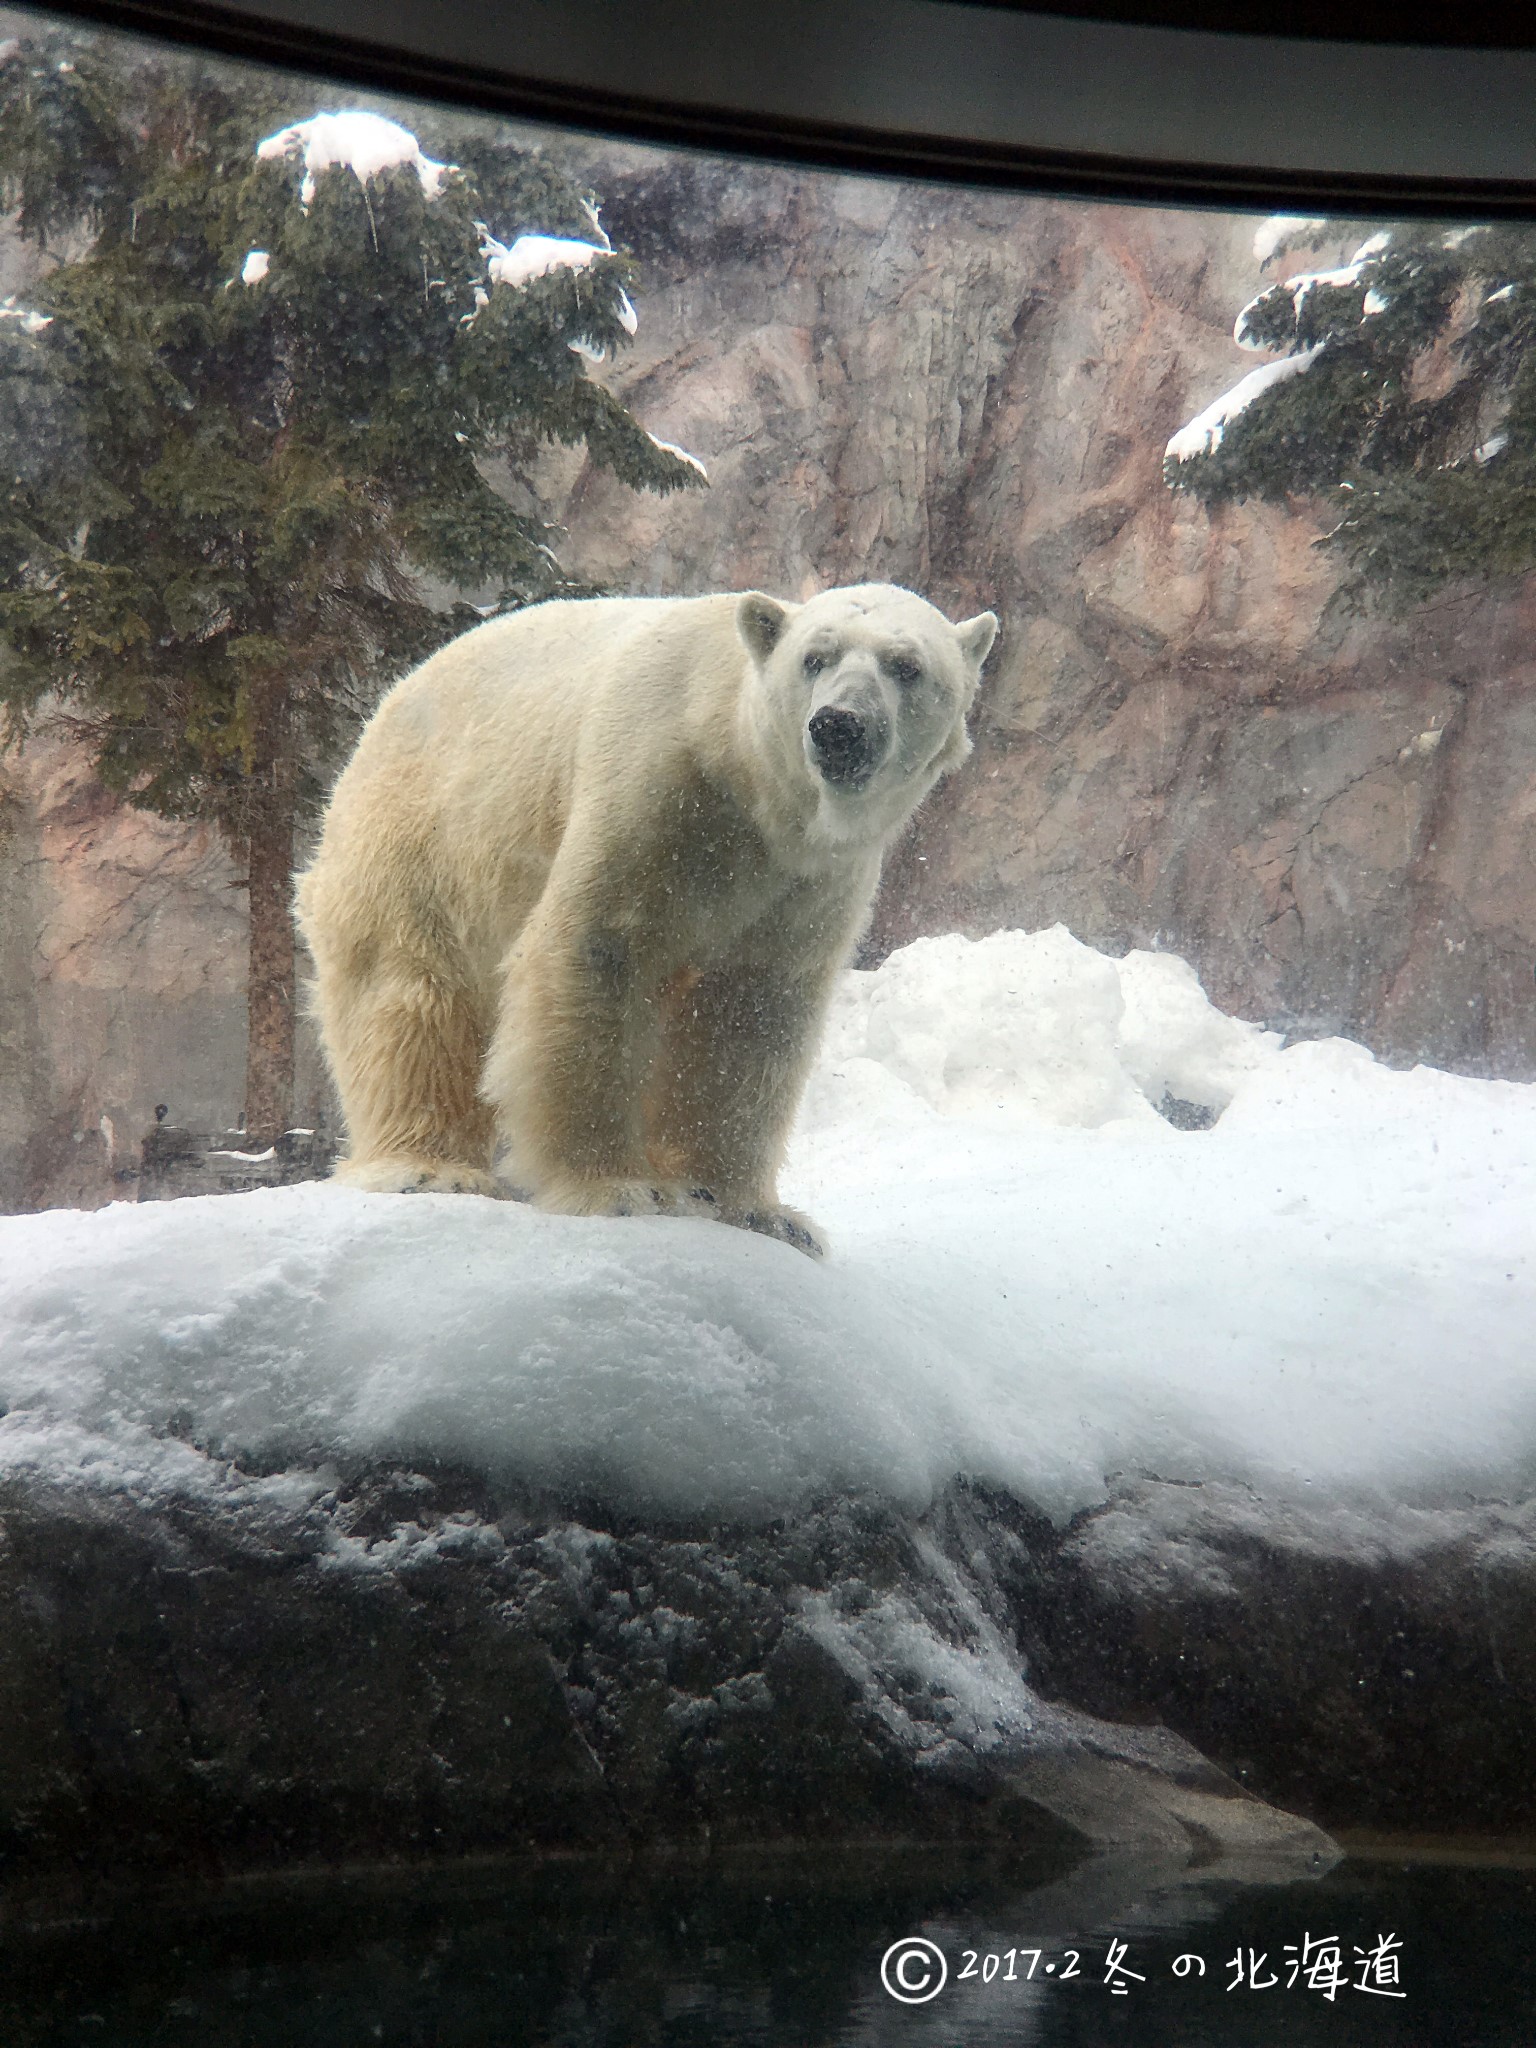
{"points": [[270, 988]]}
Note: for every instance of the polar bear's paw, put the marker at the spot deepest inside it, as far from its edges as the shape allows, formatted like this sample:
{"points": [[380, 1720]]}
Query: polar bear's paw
{"points": [[405, 1176], [787, 1225], [623, 1197], [618, 1197]]}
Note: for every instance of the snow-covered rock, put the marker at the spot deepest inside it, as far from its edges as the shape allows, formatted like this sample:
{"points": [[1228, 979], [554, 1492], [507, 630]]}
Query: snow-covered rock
{"points": [[1036, 1281], [396, 1663], [1374, 1666]]}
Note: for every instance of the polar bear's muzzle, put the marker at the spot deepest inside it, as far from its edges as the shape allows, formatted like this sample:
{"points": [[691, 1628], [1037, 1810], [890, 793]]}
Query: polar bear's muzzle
{"points": [[845, 745]]}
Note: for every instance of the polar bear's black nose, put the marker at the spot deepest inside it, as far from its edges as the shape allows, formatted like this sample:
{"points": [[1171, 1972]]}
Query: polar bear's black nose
{"points": [[843, 743]]}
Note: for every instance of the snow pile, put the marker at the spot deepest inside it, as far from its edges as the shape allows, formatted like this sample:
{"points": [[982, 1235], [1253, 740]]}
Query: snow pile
{"points": [[1282, 231], [1206, 430], [532, 256], [362, 143], [1031, 1029], [1035, 1279]]}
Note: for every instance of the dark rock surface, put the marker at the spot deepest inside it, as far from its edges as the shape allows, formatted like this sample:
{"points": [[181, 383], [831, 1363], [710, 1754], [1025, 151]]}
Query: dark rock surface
{"points": [[259, 1673], [296, 1668], [1375, 1668]]}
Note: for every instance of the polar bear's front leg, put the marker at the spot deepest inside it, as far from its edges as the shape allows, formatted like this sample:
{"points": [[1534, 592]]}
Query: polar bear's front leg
{"points": [[725, 1087], [567, 1065]]}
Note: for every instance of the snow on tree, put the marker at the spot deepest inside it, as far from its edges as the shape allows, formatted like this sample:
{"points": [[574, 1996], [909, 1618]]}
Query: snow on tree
{"points": [[248, 411], [1401, 393]]}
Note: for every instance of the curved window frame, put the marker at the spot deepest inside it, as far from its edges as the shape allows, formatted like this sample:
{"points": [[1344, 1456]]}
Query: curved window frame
{"points": [[947, 89]]}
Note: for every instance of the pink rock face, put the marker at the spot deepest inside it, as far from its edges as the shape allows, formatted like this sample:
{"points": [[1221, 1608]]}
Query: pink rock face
{"points": [[1183, 740], [120, 885], [124, 975]]}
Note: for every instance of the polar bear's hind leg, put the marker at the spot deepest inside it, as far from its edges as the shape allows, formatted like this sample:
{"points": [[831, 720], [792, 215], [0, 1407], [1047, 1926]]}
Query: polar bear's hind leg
{"points": [[406, 1048]]}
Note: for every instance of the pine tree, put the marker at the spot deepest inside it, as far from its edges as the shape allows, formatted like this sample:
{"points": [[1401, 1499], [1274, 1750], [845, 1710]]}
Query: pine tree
{"points": [[1404, 400], [249, 411]]}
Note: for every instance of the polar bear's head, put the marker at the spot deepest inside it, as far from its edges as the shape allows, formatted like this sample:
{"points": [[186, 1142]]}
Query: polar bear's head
{"points": [[865, 693]]}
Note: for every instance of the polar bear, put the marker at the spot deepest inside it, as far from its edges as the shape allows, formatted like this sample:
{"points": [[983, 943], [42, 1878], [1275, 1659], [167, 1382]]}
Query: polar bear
{"points": [[586, 884]]}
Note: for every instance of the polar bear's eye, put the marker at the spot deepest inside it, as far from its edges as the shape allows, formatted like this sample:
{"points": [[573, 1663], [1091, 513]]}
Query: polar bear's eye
{"points": [[902, 668], [814, 664]]}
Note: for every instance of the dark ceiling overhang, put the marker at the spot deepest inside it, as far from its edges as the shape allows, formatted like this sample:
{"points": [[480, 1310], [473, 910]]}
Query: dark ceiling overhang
{"points": [[1057, 99]]}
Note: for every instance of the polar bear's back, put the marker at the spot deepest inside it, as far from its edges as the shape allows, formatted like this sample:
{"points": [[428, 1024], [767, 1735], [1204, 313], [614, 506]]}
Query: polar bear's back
{"points": [[550, 657], [495, 718], [462, 783]]}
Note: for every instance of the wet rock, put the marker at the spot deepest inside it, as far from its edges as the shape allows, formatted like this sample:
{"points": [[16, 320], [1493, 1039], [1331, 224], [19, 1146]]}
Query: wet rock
{"points": [[1373, 1666], [265, 1672]]}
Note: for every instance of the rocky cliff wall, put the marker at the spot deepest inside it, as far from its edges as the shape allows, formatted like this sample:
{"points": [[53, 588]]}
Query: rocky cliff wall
{"points": [[1183, 740]]}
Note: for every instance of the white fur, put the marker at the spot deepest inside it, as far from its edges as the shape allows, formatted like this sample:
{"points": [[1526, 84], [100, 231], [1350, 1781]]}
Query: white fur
{"points": [[584, 887]]}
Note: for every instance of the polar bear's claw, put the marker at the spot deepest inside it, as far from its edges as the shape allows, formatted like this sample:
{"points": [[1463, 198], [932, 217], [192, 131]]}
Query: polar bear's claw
{"points": [[788, 1227], [626, 1198]]}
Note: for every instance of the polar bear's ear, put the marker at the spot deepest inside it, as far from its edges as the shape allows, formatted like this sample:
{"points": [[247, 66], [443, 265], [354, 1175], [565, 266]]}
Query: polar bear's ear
{"points": [[977, 635], [761, 621]]}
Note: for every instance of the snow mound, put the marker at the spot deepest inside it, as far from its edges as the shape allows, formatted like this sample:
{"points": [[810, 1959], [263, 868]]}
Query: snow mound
{"points": [[365, 144], [1035, 1280], [532, 256], [1032, 1028]]}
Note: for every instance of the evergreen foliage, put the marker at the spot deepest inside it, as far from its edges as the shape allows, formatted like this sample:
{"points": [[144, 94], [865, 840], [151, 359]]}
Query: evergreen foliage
{"points": [[232, 487], [1415, 418]]}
